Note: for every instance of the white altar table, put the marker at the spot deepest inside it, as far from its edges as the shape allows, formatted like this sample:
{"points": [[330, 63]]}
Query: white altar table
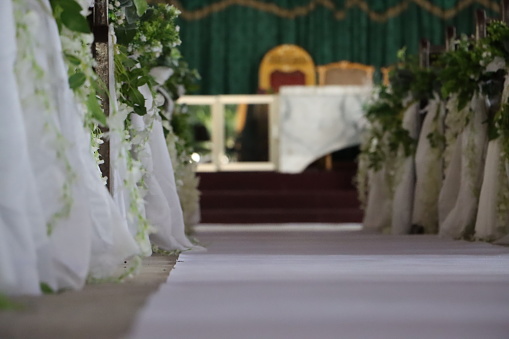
{"points": [[315, 121]]}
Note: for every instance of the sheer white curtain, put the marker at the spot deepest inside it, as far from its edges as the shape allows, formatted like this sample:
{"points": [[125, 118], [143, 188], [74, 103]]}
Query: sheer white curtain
{"points": [[492, 221], [378, 212], [459, 197], [58, 223], [428, 160], [162, 205], [22, 226], [401, 220]]}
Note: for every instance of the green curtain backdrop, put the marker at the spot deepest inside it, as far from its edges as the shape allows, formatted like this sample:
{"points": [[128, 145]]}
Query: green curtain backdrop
{"points": [[226, 39]]}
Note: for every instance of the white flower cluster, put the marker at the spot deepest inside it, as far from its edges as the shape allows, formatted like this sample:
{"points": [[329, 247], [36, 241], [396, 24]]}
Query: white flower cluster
{"points": [[118, 16]]}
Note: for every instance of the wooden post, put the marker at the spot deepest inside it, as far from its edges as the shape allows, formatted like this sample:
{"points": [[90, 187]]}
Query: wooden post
{"points": [[480, 24], [424, 52], [428, 55], [504, 11], [450, 36], [101, 52]]}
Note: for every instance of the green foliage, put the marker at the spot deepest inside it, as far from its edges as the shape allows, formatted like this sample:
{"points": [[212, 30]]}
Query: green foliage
{"points": [[473, 67], [76, 80], [95, 109], [68, 13], [184, 121], [461, 70], [156, 40], [147, 40], [497, 39], [141, 6], [73, 60], [184, 79], [149, 37], [46, 289], [386, 113], [130, 76], [144, 42], [158, 250], [182, 127], [409, 77], [425, 83], [73, 25], [156, 26], [502, 123], [8, 304], [436, 139]]}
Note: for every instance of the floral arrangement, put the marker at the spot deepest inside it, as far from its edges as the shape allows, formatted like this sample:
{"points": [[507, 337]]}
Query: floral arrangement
{"points": [[497, 42], [145, 39], [473, 69], [146, 54], [386, 142]]}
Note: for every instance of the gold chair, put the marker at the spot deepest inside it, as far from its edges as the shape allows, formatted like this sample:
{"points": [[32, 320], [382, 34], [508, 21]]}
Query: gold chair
{"points": [[285, 65], [345, 73], [385, 74]]}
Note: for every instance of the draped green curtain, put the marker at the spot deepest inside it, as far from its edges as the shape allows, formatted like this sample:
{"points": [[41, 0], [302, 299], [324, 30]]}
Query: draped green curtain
{"points": [[226, 39]]}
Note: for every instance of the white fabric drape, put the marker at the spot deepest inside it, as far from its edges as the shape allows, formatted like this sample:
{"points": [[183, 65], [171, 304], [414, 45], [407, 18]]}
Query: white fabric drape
{"points": [[59, 225], [458, 207], [123, 175], [162, 204], [401, 220], [378, 213], [22, 227], [64, 260], [492, 221], [491, 224], [428, 170], [170, 233]]}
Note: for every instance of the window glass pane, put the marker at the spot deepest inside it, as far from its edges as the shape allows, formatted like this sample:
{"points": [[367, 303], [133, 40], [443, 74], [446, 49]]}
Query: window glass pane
{"points": [[198, 118], [246, 132]]}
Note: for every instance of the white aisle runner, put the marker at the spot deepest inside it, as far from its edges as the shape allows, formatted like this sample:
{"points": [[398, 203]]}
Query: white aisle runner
{"points": [[331, 285]]}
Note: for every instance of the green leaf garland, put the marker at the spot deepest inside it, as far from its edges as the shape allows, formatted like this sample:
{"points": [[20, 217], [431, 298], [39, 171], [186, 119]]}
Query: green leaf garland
{"points": [[68, 14]]}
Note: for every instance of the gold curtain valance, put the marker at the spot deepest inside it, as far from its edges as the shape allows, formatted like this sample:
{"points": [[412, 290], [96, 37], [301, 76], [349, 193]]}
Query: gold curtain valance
{"points": [[339, 13]]}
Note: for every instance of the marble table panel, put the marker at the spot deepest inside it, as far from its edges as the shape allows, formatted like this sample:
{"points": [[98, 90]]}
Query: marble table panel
{"points": [[315, 121]]}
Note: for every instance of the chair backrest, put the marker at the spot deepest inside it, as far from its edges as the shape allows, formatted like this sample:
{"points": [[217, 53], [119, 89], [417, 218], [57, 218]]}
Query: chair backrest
{"points": [[482, 21], [286, 65], [345, 73], [429, 54], [385, 74]]}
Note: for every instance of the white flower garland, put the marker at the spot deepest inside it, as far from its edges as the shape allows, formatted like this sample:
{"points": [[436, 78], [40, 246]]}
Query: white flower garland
{"points": [[362, 175], [455, 122], [186, 181], [76, 47], [429, 199], [122, 152], [503, 177], [473, 152], [27, 67]]}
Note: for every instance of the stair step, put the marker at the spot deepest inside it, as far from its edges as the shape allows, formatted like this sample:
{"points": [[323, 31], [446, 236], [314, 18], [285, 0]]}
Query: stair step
{"points": [[273, 197], [310, 180], [281, 215], [257, 199]]}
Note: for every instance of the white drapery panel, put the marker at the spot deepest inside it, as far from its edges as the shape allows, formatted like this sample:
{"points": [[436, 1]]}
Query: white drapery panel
{"points": [[59, 226]]}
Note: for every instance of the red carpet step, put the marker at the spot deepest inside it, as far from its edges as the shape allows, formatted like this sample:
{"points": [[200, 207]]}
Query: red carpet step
{"points": [[270, 197]]}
